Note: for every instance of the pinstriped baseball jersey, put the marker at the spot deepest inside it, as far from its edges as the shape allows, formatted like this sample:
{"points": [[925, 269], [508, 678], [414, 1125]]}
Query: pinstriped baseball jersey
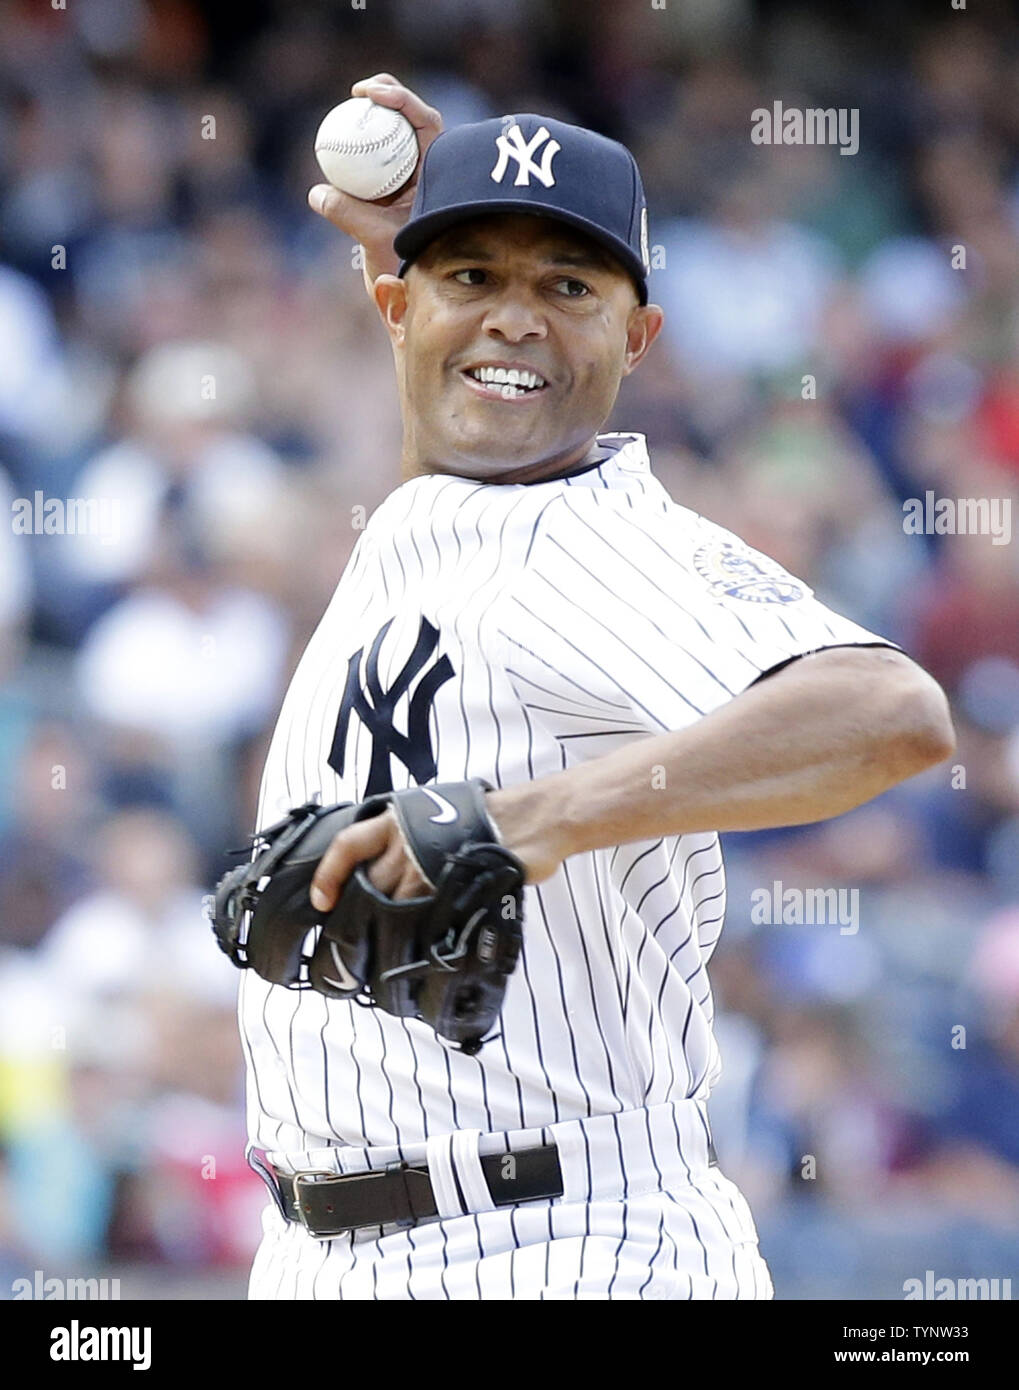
{"points": [[643, 1215], [508, 631]]}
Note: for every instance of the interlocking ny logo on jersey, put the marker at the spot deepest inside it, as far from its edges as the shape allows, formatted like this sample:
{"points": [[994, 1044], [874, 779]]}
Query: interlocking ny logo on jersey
{"points": [[512, 145], [375, 706]]}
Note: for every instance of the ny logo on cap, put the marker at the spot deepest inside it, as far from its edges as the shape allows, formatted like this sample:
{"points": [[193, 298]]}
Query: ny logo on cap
{"points": [[512, 145]]}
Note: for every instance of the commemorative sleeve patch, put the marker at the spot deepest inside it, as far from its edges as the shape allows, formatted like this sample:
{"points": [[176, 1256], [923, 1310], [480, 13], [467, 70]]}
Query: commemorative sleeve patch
{"points": [[732, 569]]}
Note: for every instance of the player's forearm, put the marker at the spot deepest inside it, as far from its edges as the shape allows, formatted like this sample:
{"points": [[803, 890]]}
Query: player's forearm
{"points": [[818, 738]]}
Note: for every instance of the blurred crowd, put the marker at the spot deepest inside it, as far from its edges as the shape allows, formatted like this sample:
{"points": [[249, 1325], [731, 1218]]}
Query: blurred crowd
{"points": [[829, 354]]}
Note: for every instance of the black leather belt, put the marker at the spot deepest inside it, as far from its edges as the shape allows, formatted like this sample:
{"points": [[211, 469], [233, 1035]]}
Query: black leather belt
{"points": [[330, 1204]]}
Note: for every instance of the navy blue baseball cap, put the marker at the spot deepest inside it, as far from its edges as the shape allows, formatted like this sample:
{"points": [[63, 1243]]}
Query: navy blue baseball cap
{"points": [[531, 164]]}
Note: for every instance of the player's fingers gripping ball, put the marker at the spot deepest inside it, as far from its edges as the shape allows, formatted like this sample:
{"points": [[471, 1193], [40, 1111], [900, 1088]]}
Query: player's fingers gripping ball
{"points": [[366, 150], [444, 958]]}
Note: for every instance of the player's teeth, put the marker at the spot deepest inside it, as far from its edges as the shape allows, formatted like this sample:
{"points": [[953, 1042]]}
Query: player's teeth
{"points": [[507, 376]]}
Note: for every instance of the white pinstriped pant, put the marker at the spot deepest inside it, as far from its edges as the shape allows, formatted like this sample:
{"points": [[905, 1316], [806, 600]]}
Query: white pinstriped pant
{"points": [[642, 1216]]}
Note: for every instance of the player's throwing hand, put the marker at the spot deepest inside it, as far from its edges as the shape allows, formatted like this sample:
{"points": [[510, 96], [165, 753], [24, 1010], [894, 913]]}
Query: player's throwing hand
{"points": [[375, 224]]}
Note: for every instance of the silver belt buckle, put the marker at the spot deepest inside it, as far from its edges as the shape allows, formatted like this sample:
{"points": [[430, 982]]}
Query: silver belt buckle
{"points": [[313, 1178]]}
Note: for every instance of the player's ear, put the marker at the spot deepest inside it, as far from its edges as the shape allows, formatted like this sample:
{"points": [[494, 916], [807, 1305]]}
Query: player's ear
{"points": [[390, 295], [642, 328]]}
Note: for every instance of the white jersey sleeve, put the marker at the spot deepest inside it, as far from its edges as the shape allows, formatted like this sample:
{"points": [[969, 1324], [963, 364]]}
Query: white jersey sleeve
{"points": [[632, 618]]}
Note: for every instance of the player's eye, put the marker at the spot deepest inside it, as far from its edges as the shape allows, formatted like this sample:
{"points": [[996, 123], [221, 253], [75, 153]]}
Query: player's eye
{"points": [[473, 270], [573, 289]]}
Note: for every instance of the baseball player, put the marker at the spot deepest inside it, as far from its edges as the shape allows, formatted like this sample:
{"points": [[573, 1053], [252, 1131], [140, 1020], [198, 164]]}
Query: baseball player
{"points": [[529, 607]]}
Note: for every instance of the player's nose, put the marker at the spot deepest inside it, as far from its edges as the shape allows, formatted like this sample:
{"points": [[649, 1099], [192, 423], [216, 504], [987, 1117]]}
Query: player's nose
{"points": [[514, 316]]}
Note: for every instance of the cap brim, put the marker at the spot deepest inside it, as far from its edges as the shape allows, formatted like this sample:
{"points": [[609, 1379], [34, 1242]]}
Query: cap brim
{"points": [[412, 239]]}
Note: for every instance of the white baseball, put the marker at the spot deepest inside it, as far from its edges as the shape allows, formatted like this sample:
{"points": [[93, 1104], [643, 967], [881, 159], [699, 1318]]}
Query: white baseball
{"points": [[366, 150]]}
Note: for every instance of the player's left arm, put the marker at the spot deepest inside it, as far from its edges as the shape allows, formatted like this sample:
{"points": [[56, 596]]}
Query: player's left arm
{"points": [[814, 739], [817, 738]]}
